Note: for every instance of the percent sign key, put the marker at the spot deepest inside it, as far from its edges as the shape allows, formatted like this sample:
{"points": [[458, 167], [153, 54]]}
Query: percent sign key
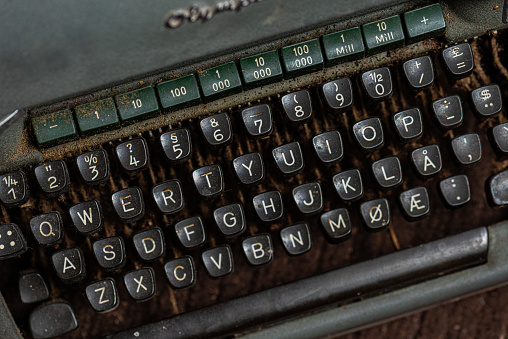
{"points": [[94, 166]]}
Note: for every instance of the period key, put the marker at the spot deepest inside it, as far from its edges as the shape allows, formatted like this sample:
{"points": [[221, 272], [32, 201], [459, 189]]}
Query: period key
{"points": [[261, 69], [220, 81], [383, 35], [343, 46]]}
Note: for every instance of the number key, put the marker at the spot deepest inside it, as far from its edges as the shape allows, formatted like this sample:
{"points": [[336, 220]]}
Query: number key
{"points": [[97, 116], [177, 144], [13, 189], [261, 69], [217, 129], [338, 95], [137, 104], [219, 81], [258, 120], [53, 178], [298, 106], [302, 58], [133, 155], [94, 166], [378, 83]]}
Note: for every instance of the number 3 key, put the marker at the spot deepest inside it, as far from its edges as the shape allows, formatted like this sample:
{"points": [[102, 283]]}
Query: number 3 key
{"points": [[94, 166]]}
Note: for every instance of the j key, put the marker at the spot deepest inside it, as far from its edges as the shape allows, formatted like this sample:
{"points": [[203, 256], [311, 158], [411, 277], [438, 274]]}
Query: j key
{"points": [[149, 244], [168, 196], [140, 283], [467, 148], [500, 137], [289, 158], [209, 181], [258, 249], [427, 160], [378, 83], [14, 189], [87, 216], [180, 272], [297, 106], [296, 238], [308, 198], [419, 72], [218, 261], [230, 219], [455, 190], [32, 287], [47, 228], [369, 134], [258, 120], [387, 172], [52, 320], [408, 124], [133, 155], [69, 265], [415, 203], [448, 112], [328, 146], [458, 60], [53, 178], [348, 184], [110, 252], [191, 232], [375, 214], [217, 129], [102, 295], [487, 101], [249, 168], [12, 241], [336, 224], [94, 166], [338, 95], [177, 144], [268, 206], [129, 204]]}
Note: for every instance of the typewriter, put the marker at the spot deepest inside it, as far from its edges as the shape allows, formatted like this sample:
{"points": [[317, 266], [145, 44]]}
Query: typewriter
{"points": [[243, 168]]}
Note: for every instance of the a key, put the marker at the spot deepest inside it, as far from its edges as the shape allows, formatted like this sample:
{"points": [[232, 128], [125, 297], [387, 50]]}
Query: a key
{"points": [[258, 121], [53, 178], [467, 148], [455, 190], [140, 284], [458, 60], [249, 168], [408, 124], [328, 146], [102, 295], [336, 224], [32, 287], [487, 101], [258, 249], [308, 198], [168, 196], [218, 261], [52, 320], [129, 204], [94, 166], [230, 219], [209, 181], [427, 160], [47, 228], [377, 83], [419, 72], [348, 184], [177, 145], [69, 265], [191, 232], [133, 155], [14, 189], [217, 129], [268, 206], [369, 134], [297, 106], [87, 217], [415, 203], [375, 214], [12, 241], [448, 112], [387, 172], [296, 238], [180, 272], [289, 158], [338, 95], [149, 244], [110, 252], [500, 137]]}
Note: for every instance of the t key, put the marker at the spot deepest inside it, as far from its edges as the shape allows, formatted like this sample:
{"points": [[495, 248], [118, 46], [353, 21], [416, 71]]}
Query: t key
{"points": [[133, 155], [13, 189], [297, 106], [209, 181], [53, 178]]}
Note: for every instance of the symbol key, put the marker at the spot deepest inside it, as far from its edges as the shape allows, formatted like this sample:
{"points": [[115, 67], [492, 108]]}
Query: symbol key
{"points": [[14, 189], [53, 178], [378, 83], [467, 148], [419, 72], [297, 106], [217, 129], [455, 190], [177, 145], [338, 95], [94, 166], [448, 112], [487, 101], [258, 120], [458, 60], [133, 155], [12, 241], [500, 137]]}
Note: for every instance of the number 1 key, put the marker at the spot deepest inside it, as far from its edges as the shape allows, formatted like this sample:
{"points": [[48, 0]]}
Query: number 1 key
{"points": [[13, 189]]}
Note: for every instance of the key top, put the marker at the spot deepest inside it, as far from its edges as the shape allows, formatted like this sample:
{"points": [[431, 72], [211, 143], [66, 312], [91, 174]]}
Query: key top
{"points": [[179, 92], [138, 104], [87, 217], [383, 35], [467, 149], [419, 72], [377, 83], [338, 95], [415, 203], [497, 188], [348, 184], [133, 155], [12, 241], [500, 137], [69, 265], [337, 225], [448, 112], [289, 158], [149, 244], [218, 261], [129, 204], [168, 196], [180, 272], [97, 116], [268, 206], [110, 252], [54, 128], [424, 23], [217, 129], [343, 46], [302, 58], [387, 172], [102, 295], [375, 214], [258, 249], [14, 189], [209, 181], [191, 232], [32, 287], [230, 219], [47, 228], [249, 168], [328, 147], [140, 283], [487, 101], [458, 60], [94, 166], [297, 106], [296, 238], [53, 178], [369, 134], [308, 198], [455, 190], [258, 121], [408, 124], [261, 69], [177, 145], [52, 320], [427, 160], [220, 81]]}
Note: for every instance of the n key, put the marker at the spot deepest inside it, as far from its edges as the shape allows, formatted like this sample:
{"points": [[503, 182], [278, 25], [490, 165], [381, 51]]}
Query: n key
{"points": [[13, 189], [53, 178]]}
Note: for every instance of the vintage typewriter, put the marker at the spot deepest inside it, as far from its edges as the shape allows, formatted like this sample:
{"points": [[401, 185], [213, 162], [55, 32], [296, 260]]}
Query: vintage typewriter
{"points": [[258, 169]]}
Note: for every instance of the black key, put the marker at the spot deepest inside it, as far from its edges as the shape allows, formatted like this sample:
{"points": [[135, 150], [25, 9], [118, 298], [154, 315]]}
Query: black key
{"points": [[149, 243], [230, 219], [387, 172], [102, 295], [14, 189], [217, 129], [249, 168], [133, 155], [94, 166], [53, 178], [467, 148], [338, 95], [378, 83], [348, 184], [308, 198], [336, 224], [487, 101], [455, 190], [129, 204], [47, 228], [180, 272], [375, 214], [408, 124], [177, 144], [140, 283], [369, 134], [289, 158], [296, 238], [69, 265], [297, 106], [268, 206], [110, 252], [191, 232], [52, 320], [209, 181], [427, 160], [448, 112], [87, 216], [218, 261], [168, 196], [32, 287], [328, 146], [258, 249], [12, 241], [258, 120], [458, 60], [419, 72], [497, 188], [415, 203], [500, 137]]}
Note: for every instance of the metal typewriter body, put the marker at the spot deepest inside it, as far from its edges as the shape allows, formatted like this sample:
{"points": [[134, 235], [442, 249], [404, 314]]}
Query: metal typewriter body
{"points": [[72, 54]]}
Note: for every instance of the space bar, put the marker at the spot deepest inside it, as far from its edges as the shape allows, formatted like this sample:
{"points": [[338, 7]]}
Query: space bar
{"points": [[383, 273]]}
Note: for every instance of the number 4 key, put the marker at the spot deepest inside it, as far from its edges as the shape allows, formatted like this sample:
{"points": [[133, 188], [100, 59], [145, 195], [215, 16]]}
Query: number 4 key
{"points": [[133, 155], [13, 189]]}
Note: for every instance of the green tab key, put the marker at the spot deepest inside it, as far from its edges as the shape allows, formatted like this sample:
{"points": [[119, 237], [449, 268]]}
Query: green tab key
{"points": [[383, 35], [424, 23], [343, 46], [137, 104], [302, 58], [179, 92], [220, 81], [54, 128], [261, 69], [97, 116]]}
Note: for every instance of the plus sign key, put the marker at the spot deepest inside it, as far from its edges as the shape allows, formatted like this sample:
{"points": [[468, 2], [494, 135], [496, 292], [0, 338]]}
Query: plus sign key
{"points": [[487, 101], [458, 60], [419, 72], [424, 23]]}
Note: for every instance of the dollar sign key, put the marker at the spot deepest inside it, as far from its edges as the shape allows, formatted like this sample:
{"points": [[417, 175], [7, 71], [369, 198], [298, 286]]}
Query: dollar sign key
{"points": [[487, 101]]}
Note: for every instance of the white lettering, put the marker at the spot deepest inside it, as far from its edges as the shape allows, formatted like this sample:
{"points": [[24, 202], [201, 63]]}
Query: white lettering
{"points": [[415, 203], [219, 264], [68, 265], [257, 250], [232, 219], [176, 275], [147, 250], [249, 168], [170, 197], [294, 238], [409, 123]]}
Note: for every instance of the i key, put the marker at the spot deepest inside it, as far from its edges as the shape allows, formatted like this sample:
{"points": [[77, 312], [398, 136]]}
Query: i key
{"points": [[419, 72], [133, 155], [297, 106], [177, 145], [94, 166], [328, 146], [13, 189], [258, 120], [378, 83], [217, 129], [53, 178]]}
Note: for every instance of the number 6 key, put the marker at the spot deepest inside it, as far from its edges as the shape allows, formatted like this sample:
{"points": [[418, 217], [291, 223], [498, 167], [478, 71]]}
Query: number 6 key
{"points": [[217, 129]]}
